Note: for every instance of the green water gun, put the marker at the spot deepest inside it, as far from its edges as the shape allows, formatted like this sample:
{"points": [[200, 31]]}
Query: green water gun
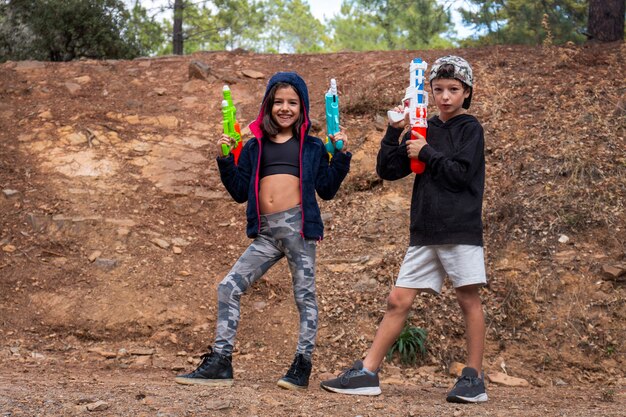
{"points": [[231, 127]]}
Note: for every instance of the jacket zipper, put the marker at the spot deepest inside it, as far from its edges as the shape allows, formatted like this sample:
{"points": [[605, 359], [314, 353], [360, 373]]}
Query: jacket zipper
{"points": [[256, 186], [302, 137]]}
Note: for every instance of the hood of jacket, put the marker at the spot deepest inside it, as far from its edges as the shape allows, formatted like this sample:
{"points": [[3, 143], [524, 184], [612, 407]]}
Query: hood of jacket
{"points": [[299, 85], [457, 120]]}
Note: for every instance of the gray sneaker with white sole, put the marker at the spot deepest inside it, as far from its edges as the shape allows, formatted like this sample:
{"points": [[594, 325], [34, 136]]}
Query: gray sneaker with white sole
{"points": [[354, 381], [469, 388]]}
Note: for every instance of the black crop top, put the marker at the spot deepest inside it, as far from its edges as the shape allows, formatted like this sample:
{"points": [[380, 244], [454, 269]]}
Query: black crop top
{"points": [[280, 158]]}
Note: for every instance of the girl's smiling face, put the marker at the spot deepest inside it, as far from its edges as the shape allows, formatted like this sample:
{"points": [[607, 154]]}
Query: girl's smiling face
{"points": [[449, 94], [286, 108]]}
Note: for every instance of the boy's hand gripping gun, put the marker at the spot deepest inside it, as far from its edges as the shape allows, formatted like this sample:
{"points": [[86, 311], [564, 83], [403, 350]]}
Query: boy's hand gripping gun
{"points": [[231, 127], [332, 118], [416, 104]]}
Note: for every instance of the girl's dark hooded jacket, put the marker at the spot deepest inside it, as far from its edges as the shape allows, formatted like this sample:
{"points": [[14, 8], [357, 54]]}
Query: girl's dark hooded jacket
{"points": [[317, 173], [446, 204]]}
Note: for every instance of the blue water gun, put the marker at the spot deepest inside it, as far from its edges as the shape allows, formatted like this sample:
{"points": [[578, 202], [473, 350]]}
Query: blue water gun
{"points": [[332, 118]]}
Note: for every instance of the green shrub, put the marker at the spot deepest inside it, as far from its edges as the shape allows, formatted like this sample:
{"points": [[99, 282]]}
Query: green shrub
{"points": [[410, 345]]}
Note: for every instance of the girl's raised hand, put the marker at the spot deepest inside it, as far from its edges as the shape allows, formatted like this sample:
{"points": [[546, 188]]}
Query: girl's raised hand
{"points": [[341, 135], [223, 140]]}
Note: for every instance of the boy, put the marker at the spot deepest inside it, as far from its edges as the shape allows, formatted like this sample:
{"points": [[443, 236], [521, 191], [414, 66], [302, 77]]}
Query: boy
{"points": [[446, 228]]}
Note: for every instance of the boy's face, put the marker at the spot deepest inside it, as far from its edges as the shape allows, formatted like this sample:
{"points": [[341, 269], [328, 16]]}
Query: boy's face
{"points": [[449, 95]]}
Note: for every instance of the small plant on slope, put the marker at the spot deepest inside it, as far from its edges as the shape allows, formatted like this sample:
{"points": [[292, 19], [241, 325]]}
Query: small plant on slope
{"points": [[410, 344]]}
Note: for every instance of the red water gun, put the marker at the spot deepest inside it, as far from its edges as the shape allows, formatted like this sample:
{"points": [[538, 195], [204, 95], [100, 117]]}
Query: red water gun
{"points": [[416, 104]]}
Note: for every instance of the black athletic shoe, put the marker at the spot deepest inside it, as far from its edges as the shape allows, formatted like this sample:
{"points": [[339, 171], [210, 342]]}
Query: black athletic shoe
{"points": [[469, 388], [297, 377], [354, 381], [214, 370]]}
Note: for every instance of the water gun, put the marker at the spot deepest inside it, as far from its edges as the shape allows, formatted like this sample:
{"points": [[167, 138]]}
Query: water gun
{"points": [[332, 118], [231, 127], [416, 104]]}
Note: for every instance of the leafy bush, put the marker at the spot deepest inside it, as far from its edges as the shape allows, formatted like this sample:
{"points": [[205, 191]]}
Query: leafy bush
{"points": [[410, 345], [62, 30]]}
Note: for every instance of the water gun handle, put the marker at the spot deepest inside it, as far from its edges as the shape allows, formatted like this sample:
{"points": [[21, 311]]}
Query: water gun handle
{"points": [[417, 166], [238, 143], [395, 116], [330, 148]]}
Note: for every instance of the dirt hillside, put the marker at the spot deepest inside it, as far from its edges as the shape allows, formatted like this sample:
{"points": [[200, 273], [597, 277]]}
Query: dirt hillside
{"points": [[115, 230]]}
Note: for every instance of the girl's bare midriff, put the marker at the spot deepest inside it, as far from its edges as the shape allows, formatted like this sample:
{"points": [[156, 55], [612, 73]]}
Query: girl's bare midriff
{"points": [[278, 192]]}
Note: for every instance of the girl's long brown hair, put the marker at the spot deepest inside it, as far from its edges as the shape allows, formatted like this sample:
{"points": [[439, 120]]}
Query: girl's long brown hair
{"points": [[269, 126]]}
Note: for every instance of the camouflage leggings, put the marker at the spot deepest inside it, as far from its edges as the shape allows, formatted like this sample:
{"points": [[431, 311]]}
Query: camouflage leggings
{"points": [[279, 237]]}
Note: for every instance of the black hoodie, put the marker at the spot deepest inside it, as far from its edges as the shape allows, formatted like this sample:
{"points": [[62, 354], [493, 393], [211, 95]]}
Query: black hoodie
{"points": [[446, 204]]}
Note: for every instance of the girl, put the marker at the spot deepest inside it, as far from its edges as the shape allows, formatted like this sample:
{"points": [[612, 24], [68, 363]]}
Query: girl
{"points": [[278, 175]]}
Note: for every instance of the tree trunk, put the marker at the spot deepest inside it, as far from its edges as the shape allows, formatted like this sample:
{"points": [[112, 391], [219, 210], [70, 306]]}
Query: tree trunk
{"points": [[177, 35], [606, 20]]}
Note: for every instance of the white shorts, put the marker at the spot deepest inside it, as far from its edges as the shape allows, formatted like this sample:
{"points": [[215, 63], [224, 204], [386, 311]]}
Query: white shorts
{"points": [[425, 267]]}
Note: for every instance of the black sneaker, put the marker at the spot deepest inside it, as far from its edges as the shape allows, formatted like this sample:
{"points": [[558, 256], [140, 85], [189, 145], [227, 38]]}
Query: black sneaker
{"points": [[297, 377], [469, 388], [214, 370], [354, 381]]}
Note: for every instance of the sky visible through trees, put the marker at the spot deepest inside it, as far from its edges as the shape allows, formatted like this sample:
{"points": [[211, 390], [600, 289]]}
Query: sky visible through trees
{"points": [[323, 10], [56, 29]]}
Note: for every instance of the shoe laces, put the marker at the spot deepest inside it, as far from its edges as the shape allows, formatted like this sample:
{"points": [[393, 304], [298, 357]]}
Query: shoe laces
{"points": [[467, 381], [350, 373], [298, 366], [210, 357]]}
